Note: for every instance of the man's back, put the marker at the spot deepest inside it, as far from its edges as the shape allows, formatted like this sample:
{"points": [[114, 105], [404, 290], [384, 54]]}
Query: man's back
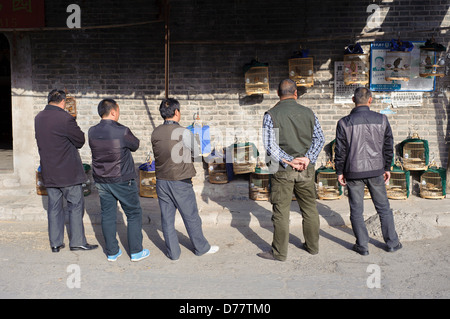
{"points": [[111, 144], [58, 138], [364, 144]]}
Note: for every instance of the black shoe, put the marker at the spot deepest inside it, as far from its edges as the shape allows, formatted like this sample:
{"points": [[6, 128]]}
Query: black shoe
{"points": [[57, 248], [360, 251], [84, 247], [392, 249]]}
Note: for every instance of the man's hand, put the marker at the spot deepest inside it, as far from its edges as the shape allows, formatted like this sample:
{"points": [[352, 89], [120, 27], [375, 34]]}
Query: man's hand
{"points": [[387, 176], [341, 180], [298, 163]]}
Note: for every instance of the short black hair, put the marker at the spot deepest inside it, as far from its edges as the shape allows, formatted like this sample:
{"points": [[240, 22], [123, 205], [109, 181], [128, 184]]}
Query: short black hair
{"points": [[105, 106], [168, 107], [362, 95], [56, 96], [287, 87]]}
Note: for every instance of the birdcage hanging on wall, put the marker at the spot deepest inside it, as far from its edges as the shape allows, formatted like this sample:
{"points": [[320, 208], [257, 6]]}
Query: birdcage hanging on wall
{"points": [[432, 59], [256, 78], [398, 185], [301, 68], [71, 105], [433, 183], [398, 61], [356, 65], [414, 153]]}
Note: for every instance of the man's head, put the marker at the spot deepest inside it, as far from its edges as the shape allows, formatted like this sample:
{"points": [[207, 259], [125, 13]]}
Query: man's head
{"points": [[108, 109], [57, 98], [362, 96], [170, 109], [287, 89]]}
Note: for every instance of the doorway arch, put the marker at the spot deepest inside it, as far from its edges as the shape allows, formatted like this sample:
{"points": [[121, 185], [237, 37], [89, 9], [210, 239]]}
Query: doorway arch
{"points": [[6, 135]]}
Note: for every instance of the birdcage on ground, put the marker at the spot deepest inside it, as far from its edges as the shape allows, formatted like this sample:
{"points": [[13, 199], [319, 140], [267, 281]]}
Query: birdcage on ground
{"points": [[433, 183], [147, 179], [245, 157], [259, 185], [217, 173], [327, 184], [398, 185], [414, 153]]}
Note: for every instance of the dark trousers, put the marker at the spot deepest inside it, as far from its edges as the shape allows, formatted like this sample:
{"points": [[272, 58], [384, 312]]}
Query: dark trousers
{"points": [[173, 195], [127, 194], [56, 216], [378, 193], [283, 185]]}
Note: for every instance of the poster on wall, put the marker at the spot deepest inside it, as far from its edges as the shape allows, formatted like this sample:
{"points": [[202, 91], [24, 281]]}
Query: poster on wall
{"points": [[342, 93], [22, 14], [381, 67]]}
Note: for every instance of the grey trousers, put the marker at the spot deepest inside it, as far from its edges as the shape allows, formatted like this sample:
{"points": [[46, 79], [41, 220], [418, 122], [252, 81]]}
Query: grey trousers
{"points": [[56, 216], [380, 200], [173, 195]]}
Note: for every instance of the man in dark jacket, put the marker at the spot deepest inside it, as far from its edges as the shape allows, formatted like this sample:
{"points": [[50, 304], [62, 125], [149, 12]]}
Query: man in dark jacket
{"points": [[363, 157], [115, 175], [58, 139]]}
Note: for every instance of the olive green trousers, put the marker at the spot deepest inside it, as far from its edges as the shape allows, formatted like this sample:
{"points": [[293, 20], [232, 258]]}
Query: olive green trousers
{"points": [[301, 184]]}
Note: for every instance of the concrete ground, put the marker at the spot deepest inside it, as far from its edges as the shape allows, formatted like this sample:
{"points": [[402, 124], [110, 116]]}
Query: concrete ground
{"points": [[242, 228]]}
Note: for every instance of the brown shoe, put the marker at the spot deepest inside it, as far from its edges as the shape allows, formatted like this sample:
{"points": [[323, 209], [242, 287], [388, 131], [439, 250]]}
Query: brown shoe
{"points": [[267, 255]]}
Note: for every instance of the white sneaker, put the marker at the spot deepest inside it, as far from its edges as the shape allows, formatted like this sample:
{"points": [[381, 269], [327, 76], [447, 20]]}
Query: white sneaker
{"points": [[214, 249]]}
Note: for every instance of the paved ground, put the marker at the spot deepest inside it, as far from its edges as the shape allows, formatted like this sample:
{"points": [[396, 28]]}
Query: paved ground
{"points": [[241, 228], [30, 270]]}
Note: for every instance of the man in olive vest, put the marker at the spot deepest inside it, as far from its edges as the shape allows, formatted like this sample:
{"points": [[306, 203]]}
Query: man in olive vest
{"points": [[293, 139], [172, 148]]}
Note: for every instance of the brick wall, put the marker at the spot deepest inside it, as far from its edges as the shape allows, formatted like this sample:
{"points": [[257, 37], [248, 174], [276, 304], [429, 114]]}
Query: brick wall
{"points": [[211, 42]]}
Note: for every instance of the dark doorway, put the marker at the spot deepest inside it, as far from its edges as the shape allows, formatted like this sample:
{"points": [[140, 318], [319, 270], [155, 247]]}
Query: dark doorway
{"points": [[6, 156]]}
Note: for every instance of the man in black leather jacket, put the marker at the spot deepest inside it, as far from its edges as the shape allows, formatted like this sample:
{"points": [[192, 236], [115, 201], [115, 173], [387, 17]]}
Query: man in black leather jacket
{"points": [[115, 176], [363, 157]]}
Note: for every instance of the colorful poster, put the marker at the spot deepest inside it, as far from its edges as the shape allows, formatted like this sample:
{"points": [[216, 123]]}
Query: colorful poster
{"points": [[22, 14], [382, 66]]}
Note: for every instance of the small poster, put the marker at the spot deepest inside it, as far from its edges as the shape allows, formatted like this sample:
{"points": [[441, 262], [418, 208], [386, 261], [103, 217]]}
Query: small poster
{"points": [[402, 99], [383, 66], [342, 93]]}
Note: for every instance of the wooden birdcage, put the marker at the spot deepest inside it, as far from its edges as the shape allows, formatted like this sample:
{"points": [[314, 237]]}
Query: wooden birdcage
{"points": [[259, 186], [431, 64], [217, 173], [147, 184], [40, 188], [398, 66], [414, 156], [328, 185], [301, 71], [71, 105], [367, 193], [356, 69], [397, 186], [244, 158], [431, 185], [257, 80]]}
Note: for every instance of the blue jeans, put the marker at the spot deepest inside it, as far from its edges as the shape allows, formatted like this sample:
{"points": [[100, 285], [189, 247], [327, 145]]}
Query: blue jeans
{"points": [[127, 194], [173, 195], [378, 193]]}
